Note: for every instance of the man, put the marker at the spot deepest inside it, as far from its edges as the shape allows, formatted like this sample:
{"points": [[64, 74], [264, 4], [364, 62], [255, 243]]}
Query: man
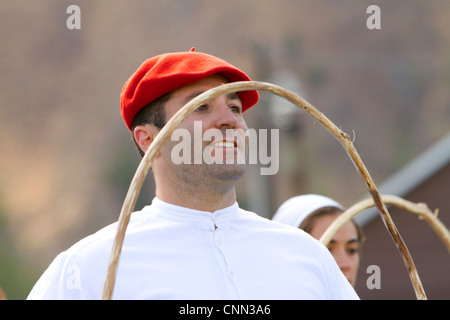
{"points": [[193, 241]]}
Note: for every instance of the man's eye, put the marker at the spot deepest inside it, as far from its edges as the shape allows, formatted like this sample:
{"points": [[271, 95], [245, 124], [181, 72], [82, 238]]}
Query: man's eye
{"points": [[236, 109]]}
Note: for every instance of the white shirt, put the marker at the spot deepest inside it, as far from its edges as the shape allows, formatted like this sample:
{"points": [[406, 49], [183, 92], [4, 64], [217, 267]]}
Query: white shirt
{"points": [[171, 252]]}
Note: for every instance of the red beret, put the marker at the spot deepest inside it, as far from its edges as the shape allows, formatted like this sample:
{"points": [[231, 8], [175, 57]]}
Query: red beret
{"points": [[164, 73]]}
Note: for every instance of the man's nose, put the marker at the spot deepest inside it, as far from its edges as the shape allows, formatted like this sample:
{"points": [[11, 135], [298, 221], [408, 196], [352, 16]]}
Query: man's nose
{"points": [[225, 117]]}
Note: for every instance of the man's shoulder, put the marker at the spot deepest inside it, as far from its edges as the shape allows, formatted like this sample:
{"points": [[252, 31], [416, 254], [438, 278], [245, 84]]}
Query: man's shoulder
{"points": [[65, 276], [104, 237], [274, 227], [93, 245]]}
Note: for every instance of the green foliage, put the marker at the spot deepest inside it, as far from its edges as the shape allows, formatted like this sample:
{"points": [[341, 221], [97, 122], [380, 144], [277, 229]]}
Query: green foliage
{"points": [[16, 278]]}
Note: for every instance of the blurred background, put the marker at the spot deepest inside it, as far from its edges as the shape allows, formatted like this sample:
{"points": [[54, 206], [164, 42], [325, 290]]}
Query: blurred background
{"points": [[67, 158]]}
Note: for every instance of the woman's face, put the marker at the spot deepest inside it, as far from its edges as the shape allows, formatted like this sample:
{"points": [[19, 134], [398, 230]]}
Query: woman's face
{"points": [[344, 246]]}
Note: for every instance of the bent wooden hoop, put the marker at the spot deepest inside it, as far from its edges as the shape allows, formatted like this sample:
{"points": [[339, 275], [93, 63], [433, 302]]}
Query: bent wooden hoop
{"points": [[420, 209], [166, 131]]}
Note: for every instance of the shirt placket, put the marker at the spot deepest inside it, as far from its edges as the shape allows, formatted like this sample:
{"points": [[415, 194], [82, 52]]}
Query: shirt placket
{"points": [[221, 230]]}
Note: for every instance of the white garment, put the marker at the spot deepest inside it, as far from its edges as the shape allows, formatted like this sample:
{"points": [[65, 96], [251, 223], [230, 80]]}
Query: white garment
{"points": [[296, 209], [170, 252]]}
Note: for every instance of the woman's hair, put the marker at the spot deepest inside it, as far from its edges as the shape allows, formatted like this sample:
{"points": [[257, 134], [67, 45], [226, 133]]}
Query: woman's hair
{"points": [[309, 221], [152, 113]]}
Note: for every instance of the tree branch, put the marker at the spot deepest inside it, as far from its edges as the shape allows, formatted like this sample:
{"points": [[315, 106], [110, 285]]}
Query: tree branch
{"points": [[420, 209]]}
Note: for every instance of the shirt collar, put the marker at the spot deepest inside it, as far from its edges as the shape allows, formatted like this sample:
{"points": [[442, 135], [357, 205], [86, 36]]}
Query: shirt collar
{"points": [[175, 212]]}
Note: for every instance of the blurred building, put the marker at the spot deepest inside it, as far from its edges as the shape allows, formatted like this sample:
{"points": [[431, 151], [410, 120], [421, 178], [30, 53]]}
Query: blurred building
{"points": [[425, 179]]}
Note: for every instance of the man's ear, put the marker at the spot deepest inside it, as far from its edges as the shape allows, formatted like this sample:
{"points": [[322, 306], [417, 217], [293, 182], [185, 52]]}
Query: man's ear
{"points": [[144, 135]]}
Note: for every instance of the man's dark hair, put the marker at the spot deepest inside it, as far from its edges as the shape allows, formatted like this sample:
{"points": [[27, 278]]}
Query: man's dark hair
{"points": [[152, 113]]}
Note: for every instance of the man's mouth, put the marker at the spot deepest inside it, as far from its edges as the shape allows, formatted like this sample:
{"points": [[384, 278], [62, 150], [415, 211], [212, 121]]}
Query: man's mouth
{"points": [[224, 144]]}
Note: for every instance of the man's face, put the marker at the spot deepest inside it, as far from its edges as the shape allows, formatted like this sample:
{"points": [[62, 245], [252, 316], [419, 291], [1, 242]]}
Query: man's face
{"points": [[216, 130]]}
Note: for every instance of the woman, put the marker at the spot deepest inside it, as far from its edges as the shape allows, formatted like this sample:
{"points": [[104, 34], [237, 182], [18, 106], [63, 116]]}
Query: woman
{"points": [[314, 214]]}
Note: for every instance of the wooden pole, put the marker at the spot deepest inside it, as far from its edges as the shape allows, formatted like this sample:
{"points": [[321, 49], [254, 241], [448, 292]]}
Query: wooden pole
{"points": [[420, 209]]}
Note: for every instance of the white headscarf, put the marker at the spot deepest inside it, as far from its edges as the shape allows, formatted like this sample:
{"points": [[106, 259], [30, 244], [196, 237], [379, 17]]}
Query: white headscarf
{"points": [[295, 210]]}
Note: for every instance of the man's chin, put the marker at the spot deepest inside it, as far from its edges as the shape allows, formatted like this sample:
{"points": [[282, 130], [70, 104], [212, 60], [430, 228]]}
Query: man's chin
{"points": [[228, 171]]}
